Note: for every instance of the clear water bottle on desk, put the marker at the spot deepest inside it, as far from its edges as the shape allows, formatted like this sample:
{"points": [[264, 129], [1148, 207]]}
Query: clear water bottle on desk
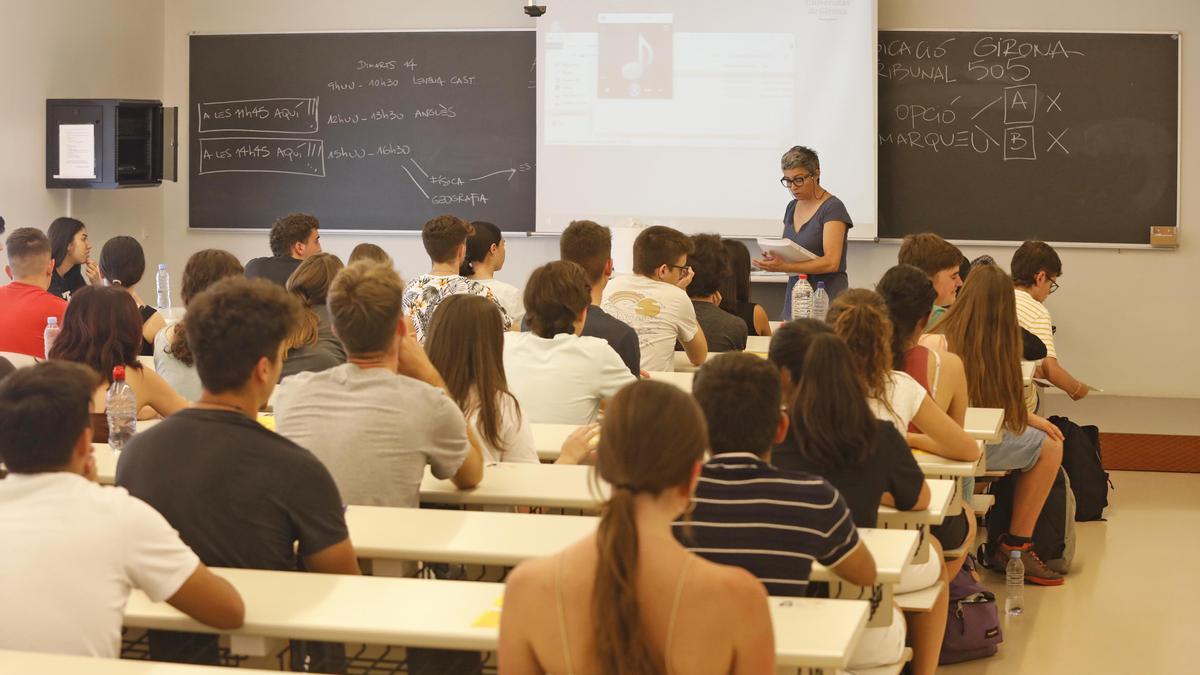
{"points": [[802, 295], [50, 334], [820, 302], [162, 288], [1014, 586], [121, 404]]}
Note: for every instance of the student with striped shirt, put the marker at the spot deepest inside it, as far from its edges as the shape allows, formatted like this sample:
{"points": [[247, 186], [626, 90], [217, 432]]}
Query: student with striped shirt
{"points": [[772, 522]]}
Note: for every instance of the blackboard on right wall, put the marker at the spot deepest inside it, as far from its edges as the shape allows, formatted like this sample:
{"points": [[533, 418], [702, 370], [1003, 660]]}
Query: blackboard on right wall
{"points": [[1006, 136]]}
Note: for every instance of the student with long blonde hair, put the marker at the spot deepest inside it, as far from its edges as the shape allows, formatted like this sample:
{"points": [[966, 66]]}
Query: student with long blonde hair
{"points": [[982, 329], [630, 599]]}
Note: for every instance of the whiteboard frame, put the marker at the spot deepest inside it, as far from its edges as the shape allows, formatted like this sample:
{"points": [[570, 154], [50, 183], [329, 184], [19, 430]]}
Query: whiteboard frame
{"points": [[1178, 134]]}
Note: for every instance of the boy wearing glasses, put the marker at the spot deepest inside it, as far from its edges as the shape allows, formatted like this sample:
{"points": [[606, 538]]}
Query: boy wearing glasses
{"points": [[1035, 271], [653, 301]]}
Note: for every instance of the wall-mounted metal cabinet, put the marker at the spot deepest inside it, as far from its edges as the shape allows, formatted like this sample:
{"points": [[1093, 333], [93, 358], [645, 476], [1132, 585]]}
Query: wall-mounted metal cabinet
{"points": [[134, 143]]}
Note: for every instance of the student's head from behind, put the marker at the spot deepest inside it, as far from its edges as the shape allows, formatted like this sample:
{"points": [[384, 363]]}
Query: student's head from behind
{"points": [[736, 287], [310, 283], [101, 329], [297, 235], [445, 239], [661, 253], [589, 245], [68, 241], [371, 253], [465, 343], [830, 420], [739, 394], [364, 305], [860, 317], [1036, 268], [909, 296], [709, 264], [122, 261], [485, 246], [28, 252], [45, 412], [557, 297], [642, 459], [205, 268], [938, 259], [237, 330]]}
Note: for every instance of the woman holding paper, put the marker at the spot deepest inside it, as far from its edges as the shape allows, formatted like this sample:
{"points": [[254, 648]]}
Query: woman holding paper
{"points": [[817, 221]]}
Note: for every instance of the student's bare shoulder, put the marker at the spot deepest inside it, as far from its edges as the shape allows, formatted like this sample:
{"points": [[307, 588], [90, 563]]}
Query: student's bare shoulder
{"points": [[729, 586]]}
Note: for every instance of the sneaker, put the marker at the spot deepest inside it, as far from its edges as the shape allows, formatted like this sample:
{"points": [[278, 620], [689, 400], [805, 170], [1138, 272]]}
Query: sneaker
{"points": [[1036, 571]]}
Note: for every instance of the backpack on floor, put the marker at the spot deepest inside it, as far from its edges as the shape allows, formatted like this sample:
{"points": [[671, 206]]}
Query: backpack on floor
{"points": [[1054, 533], [973, 621], [1081, 459]]}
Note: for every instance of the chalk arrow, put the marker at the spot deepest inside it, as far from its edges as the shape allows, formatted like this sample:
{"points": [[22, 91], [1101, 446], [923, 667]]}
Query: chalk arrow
{"points": [[510, 172]]}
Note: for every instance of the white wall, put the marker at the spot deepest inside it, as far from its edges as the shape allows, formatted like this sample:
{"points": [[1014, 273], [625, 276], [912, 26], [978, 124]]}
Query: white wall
{"points": [[75, 49]]}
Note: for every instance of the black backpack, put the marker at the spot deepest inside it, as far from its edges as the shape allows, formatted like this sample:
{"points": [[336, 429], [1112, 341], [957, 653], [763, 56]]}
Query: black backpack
{"points": [[1054, 534], [1081, 459]]}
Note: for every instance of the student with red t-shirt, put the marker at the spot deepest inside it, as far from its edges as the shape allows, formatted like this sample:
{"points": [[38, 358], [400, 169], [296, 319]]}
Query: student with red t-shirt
{"points": [[24, 304]]}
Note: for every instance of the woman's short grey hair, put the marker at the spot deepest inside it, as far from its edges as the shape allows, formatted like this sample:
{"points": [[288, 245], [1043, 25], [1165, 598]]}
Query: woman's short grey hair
{"points": [[800, 157]]}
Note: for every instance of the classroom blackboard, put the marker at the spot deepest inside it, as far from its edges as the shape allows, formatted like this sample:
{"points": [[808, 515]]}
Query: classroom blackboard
{"points": [[1001, 136], [367, 131]]}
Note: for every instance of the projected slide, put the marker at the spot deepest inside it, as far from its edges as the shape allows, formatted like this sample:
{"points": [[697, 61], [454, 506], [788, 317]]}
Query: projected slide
{"points": [[676, 112]]}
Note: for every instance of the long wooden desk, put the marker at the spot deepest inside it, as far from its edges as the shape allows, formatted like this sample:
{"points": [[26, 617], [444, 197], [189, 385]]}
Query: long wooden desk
{"points": [[464, 615], [681, 380], [505, 484], [758, 344], [30, 663]]}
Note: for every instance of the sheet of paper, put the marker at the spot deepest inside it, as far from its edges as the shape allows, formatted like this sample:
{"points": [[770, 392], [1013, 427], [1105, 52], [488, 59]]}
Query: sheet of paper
{"points": [[76, 151]]}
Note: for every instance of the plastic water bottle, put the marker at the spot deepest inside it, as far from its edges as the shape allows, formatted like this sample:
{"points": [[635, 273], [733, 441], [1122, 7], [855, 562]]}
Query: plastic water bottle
{"points": [[1014, 586], [820, 302], [802, 298], [121, 403], [51, 333], [162, 286]]}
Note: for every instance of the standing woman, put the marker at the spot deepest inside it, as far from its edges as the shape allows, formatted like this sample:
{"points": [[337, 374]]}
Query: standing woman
{"points": [[72, 253], [122, 264], [629, 599], [816, 220], [735, 290]]}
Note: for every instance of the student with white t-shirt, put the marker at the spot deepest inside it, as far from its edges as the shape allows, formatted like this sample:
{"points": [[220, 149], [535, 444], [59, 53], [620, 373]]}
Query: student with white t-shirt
{"points": [[73, 549], [466, 345], [485, 257], [653, 301], [557, 375]]}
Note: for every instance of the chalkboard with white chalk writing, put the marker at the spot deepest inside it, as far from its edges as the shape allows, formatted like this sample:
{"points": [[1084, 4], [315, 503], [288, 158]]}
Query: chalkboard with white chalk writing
{"points": [[1000, 136], [367, 131]]}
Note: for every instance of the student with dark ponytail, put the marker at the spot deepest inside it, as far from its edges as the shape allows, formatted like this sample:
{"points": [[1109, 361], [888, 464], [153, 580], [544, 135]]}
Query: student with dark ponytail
{"points": [[485, 256], [629, 599]]}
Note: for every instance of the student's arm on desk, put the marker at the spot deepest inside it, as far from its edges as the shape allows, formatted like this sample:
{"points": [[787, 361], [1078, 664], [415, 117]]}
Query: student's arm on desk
{"points": [[922, 503], [580, 446], [858, 568], [210, 600], [941, 435], [697, 347], [471, 471], [1062, 379], [159, 395], [336, 559]]}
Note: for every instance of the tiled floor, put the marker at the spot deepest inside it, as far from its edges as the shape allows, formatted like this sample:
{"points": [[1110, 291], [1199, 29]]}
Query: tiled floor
{"points": [[1132, 601]]}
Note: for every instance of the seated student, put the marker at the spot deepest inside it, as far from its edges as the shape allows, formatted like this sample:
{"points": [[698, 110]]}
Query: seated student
{"points": [[72, 253], [485, 257], [101, 329], [241, 495], [294, 237], [25, 304], [558, 376], [376, 421], [172, 357], [653, 301], [466, 346], [940, 261], [445, 240], [589, 245], [73, 549], [1035, 271], [735, 291], [982, 329], [837, 436], [807, 519], [313, 346], [122, 264], [630, 598], [370, 252], [723, 331]]}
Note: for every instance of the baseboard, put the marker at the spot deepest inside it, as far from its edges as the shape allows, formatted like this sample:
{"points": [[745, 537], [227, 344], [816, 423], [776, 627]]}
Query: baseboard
{"points": [[1150, 452]]}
